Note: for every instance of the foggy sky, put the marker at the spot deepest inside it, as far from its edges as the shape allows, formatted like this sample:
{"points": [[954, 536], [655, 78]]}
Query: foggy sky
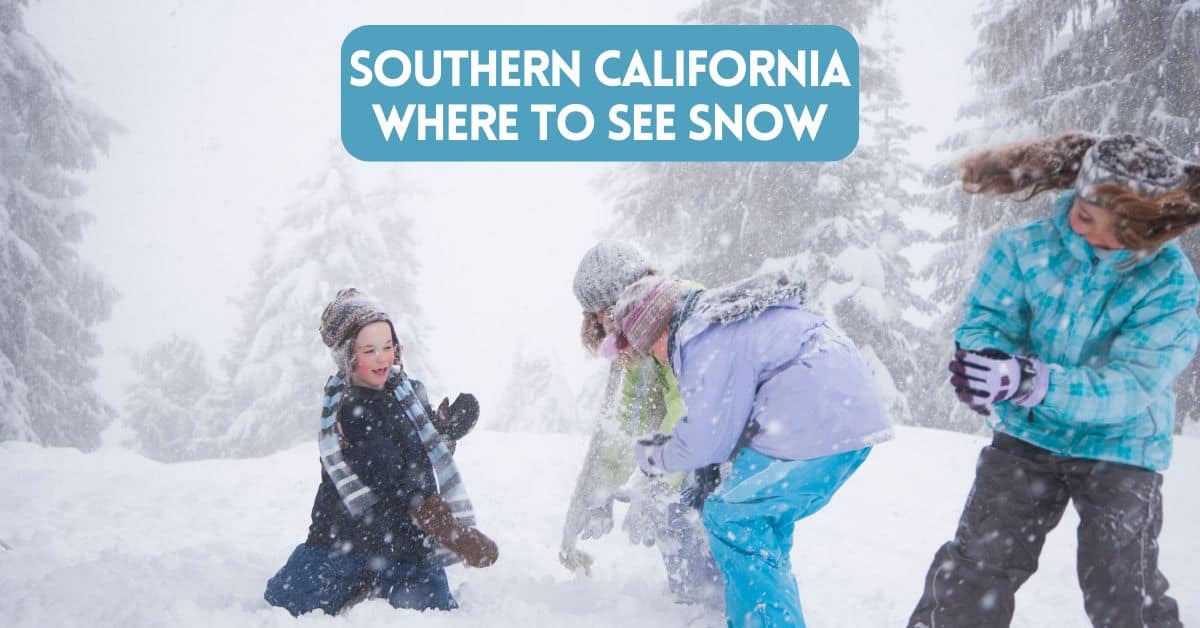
{"points": [[229, 105]]}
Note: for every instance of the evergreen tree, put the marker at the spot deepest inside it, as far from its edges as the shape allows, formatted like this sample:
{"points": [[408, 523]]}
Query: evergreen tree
{"points": [[721, 220], [879, 293], [836, 225], [1004, 71], [341, 231], [1103, 66], [165, 404], [540, 398], [52, 299], [1123, 66]]}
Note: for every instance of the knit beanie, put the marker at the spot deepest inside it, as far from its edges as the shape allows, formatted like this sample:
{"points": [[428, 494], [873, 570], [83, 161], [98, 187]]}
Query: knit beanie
{"points": [[605, 270], [1138, 163], [644, 310], [343, 318]]}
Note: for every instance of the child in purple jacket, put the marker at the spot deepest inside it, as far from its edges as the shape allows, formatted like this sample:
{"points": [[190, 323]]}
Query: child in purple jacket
{"points": [[769, 385]]}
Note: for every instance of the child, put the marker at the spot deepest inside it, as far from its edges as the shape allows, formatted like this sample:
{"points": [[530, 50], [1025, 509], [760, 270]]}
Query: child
{"points": [[1075, 329], [640, 396], [769, 385], [391, 509]]}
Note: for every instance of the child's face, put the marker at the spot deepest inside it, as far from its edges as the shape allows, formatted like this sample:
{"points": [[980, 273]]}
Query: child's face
{"points": [[374, 354], [625, 358], [659, 349], [1095, 224]]}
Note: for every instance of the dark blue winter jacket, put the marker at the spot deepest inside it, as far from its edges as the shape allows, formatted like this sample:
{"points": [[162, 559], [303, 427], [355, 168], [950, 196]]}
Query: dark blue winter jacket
{"points": [[382, 447]]}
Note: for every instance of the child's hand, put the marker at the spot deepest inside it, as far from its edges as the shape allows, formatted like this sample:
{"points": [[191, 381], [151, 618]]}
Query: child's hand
{"points": [[980, 380], [598, 516], [455, 420], [477, 549], [645, 522], [648, 452], [575, 559], [989, 376], [434, 517]]}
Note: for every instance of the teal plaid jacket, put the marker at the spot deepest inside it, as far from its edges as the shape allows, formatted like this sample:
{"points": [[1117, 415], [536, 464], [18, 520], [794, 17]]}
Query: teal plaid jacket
{"points": [[1115, 331]]}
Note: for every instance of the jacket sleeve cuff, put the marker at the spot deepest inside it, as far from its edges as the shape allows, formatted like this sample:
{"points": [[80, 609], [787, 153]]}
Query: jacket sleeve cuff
{"points": [[649, 458], [1039, 386]]}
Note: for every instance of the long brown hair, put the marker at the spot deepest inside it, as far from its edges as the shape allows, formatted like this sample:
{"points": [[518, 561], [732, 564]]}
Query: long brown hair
{"points": [[1144, 222], [591, 332]]}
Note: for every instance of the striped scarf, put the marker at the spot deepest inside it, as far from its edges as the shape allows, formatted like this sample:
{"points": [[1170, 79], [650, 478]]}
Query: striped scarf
{"points": [[358, 497]]}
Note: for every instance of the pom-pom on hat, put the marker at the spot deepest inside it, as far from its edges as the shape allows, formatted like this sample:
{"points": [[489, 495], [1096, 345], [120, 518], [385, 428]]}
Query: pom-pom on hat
{"points": [[1139, 163], [605, 270]]}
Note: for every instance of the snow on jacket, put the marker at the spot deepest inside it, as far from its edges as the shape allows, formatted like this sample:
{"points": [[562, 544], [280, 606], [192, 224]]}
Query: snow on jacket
{"points": [[751, 354], [647, 401], [384, 450], [1115, 330]]}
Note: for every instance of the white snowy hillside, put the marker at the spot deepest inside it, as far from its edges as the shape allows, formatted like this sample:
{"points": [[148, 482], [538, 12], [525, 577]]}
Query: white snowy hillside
{"points": [[113, 539]]}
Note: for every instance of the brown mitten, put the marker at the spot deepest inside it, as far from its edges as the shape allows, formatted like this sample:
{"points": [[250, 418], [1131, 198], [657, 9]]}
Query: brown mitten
{"points": [[454, 420], [433, 515], [439, 420]]}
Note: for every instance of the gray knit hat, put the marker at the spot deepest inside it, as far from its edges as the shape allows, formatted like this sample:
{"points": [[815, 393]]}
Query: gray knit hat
{"points": [[1139, 163], [605, 270], [341, 321]]}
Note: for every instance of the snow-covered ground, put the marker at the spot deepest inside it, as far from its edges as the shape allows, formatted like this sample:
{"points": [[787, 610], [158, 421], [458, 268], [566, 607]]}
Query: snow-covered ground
{"points": [[112, 539]]}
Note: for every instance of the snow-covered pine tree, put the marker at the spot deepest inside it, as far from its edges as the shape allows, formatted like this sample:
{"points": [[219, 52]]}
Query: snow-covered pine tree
{"points": [[164, 406], [52, 299], [836, 225], [342, 230], [1103, 66], [872, 305]]}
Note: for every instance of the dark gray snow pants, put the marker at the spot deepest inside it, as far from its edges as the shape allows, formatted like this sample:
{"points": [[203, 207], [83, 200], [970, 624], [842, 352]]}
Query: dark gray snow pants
{"points": [[1019, 495]]}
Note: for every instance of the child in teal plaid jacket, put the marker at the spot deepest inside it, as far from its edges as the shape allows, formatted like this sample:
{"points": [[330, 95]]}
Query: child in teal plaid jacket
{"points": [[1075, 329]]}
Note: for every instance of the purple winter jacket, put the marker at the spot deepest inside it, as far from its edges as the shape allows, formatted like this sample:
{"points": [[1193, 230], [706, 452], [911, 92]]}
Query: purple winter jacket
{"points": [[782, 367]]}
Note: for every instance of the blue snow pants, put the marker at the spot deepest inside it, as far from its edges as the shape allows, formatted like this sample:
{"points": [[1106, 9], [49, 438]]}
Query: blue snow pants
{"points": [[319, 576], [750, 520]]}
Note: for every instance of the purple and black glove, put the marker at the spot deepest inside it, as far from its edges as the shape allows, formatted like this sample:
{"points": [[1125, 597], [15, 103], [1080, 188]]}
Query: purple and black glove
{"points": [[648, 452], [982, 378]]}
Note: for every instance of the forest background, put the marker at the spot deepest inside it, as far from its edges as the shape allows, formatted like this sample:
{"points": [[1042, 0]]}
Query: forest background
{"points": [[177, 208]]}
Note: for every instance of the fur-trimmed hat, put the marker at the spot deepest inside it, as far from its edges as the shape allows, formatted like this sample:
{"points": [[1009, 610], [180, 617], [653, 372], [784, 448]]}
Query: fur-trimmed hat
{"points": [[1139, 163], [605, 270], [343, 318]]}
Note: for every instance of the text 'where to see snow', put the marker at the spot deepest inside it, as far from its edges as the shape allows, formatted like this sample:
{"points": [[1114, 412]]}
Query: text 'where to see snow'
{"points": [[600, 93]]}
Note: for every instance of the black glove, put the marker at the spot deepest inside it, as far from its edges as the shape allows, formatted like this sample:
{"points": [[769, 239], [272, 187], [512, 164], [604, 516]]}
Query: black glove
{"points": [[654, 439], [703, 482], [455, 420]]}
